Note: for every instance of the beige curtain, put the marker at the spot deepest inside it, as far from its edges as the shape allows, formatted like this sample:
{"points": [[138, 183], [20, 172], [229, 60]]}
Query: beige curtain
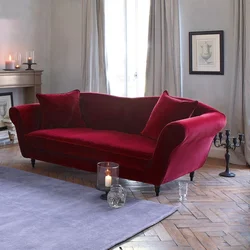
{"points": [[239, 113], [93, 47], [163, 60]]}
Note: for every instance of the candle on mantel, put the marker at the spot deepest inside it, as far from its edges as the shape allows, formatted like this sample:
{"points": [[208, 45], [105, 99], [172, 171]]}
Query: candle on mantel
{"points": [[10, 64], [108, 178], [29, 59]]}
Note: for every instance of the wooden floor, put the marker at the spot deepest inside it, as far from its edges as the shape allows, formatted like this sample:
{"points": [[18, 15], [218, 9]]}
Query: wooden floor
{"points": [[216, 214]]}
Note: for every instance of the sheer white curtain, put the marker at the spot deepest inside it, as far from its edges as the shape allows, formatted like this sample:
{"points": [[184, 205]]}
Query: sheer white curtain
{"points": [[239, 115], [163, 61], [126, 32], [93, 44]]}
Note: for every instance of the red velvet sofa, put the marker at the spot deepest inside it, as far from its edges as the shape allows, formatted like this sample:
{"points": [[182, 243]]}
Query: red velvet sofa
{"points": [[112, 129]]}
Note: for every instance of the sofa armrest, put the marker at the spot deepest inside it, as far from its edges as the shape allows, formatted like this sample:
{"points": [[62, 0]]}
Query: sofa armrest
{"points": [[183, 145], [26, 118]]}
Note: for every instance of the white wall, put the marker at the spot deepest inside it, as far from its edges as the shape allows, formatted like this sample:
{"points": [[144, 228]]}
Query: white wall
{"points": [[214, 90], [66, 46], [203, 15], [26, 25]]}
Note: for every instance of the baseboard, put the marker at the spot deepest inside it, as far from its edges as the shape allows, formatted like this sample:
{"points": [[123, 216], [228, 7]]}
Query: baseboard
{"points": [[220, 152]]}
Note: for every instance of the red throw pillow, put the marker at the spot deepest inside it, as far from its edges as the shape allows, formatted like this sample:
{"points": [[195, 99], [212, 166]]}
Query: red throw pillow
{"points": [[166, 110], [61, 110]]}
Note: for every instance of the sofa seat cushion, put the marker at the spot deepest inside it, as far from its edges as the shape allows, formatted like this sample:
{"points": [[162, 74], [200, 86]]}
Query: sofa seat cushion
{"points": [[93, 144]]}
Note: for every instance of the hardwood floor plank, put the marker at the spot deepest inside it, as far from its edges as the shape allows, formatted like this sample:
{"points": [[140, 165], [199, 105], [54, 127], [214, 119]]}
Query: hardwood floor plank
{"points": [[231, 240], [191, 239], [206, 241], [241, 239], [162, 232], [175, 233]]}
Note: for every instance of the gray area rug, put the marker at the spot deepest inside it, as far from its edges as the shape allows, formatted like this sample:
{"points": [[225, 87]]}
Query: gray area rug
{"points": [[39, 212]]}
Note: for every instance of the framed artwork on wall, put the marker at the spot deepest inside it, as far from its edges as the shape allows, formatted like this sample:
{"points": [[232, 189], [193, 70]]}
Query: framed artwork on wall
{"points": [[6, 102], [206, 52]]}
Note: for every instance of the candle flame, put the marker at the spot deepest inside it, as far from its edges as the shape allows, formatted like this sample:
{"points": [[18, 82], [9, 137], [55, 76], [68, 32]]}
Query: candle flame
{"points": [[107, 172], [10, 58]]}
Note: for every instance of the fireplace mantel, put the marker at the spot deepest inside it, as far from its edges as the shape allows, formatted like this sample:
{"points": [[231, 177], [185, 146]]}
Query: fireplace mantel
{"points": [[30, 80]]}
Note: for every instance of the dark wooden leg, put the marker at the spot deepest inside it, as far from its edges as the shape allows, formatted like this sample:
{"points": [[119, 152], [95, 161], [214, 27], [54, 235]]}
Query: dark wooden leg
{"points": [[191, 176], [33, 161], [157, 190]]}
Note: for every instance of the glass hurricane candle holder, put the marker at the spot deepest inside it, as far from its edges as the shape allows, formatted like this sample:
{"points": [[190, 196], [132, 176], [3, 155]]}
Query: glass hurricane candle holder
{"points": [[107, 175], [18, 60], [30, 57]]}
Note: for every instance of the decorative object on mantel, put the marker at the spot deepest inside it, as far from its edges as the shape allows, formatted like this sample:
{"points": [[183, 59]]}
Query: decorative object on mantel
{"points": [[10, 63], [18, 60], [30, 59], [107, 175], [228, 145]]}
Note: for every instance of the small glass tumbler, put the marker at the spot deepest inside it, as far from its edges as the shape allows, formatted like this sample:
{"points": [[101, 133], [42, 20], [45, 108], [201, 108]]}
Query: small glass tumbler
{"points": [[116, 196], [183, 190]]}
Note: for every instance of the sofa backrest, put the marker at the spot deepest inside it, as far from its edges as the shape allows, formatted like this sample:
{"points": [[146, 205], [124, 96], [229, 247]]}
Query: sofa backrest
{"points": [[122, 114], [129, 115]]}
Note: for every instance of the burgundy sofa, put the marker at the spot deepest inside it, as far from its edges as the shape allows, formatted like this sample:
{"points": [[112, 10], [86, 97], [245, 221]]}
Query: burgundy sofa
{"points": [[112, 131]]}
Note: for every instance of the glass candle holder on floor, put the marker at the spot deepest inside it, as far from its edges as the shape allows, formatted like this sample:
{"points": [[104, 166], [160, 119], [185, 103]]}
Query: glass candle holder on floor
{"points": [[107, 175], [183, 190], [116, 196]]}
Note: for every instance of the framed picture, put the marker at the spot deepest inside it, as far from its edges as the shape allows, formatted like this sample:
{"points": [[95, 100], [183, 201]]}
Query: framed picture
{"points": [[206, 52], [6, 102]]}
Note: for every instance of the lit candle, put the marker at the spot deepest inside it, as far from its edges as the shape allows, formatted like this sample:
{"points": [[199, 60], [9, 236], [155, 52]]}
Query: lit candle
{"points": [[108, 181], [30, 60], [10, 64], [108, 178]]}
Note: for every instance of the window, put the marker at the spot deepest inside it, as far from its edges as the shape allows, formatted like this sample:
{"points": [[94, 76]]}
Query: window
{"points": [[126, 37]]}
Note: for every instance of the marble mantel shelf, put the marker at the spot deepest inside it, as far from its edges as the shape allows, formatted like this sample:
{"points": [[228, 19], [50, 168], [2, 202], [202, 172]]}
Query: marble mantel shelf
{"points": [[30, 80]]}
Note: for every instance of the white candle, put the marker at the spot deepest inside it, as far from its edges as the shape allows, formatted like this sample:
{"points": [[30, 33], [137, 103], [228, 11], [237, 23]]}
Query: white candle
{"points": [[108, 181], [10, 64], [29, 59]]}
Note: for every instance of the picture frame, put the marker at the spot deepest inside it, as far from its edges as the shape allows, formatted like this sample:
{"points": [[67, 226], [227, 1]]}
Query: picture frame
{"points": [[206, 52], [6, 102]]}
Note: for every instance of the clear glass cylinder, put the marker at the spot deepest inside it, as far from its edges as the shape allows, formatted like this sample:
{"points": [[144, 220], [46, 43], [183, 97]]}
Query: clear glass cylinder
{"points": [[117, 196], [30, 56], [107, 175], [18, 60], [183, 190]]}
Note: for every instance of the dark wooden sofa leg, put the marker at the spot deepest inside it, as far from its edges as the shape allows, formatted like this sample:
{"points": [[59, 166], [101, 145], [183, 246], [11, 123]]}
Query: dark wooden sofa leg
{"points": [[33, 161], [157, 190], [191, 176]]}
